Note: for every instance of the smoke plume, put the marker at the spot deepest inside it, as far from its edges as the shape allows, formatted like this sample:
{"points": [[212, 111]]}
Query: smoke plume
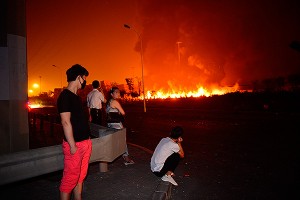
{"points": [[188, 43]]}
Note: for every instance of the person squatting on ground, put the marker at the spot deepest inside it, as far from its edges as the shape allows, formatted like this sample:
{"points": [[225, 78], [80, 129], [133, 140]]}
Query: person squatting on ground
{"points": [[77, 146], [94, 103], [167, 155], [115, 116]]}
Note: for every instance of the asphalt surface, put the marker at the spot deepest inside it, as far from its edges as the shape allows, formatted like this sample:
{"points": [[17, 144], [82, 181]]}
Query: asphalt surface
{"points": [[232, 151]]}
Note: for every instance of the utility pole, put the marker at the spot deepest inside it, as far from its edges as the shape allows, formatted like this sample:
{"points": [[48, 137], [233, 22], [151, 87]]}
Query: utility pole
{"points": [[178, 51]]}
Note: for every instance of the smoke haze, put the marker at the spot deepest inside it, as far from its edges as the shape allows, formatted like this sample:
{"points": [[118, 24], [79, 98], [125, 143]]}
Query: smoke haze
{"points": [[192, 43]]}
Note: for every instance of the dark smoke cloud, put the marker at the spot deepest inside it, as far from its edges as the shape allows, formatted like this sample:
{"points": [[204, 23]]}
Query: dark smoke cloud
{"points": [[222, 42]]}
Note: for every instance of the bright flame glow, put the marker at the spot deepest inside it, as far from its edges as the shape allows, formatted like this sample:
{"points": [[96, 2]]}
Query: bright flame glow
{"points": [[200, 92], [30, 106]]}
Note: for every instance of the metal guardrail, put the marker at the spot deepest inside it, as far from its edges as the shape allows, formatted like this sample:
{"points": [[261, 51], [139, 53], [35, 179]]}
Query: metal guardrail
{"points": [[107, 146]]}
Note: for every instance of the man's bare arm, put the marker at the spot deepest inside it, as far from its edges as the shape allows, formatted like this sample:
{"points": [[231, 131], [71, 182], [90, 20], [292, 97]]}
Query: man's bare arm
{"points": [[68, 130], [181, 152]]}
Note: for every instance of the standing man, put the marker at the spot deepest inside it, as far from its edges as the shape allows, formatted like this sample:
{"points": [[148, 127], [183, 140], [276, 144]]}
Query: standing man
{"points": [[94, 103], [77, 146], [167, 155]]}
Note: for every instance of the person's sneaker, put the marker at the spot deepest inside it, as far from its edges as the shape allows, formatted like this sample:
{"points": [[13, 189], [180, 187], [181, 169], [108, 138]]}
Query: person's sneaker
{"points": [[129, 162], [169, 179]]}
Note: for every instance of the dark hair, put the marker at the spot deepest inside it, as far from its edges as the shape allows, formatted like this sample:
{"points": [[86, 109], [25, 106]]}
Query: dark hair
{"points": [[113, 89], [95, 84], [176, 132], [74, 71], [110, 93]]}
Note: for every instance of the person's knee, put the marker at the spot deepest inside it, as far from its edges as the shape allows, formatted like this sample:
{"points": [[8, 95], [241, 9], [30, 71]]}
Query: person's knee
{"points": [[175, 156], [178, 156]]}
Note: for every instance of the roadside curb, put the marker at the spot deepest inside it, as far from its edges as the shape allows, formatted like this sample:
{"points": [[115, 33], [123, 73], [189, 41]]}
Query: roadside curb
{"points": [[163, 189]]}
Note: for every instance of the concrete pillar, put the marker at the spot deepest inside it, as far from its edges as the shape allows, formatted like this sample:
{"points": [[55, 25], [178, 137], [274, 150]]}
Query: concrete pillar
{"points": [[14, 131]]}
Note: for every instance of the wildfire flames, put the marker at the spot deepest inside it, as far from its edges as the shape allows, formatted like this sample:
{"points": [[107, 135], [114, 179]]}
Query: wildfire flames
{"points": [[200, 92]]}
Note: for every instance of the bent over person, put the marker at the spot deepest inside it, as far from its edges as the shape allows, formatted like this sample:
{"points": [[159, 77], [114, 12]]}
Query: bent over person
{"points": [[77, 145], [167, 155]]}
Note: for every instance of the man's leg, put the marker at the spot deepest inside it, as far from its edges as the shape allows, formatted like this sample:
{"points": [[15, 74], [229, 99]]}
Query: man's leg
{"points": [[86, 147], [71, 171], [99, 117], [94, 115], [77, 191], [170, 164], [169, 167], [64, 196]]}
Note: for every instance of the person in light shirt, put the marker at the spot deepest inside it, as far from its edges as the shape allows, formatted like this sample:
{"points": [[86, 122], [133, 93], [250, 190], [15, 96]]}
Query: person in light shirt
{"points": [[167, 155], [94, 103]]}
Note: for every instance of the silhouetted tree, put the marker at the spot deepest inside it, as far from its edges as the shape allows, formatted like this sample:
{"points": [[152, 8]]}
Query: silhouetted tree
{"points": [[130, 84]]}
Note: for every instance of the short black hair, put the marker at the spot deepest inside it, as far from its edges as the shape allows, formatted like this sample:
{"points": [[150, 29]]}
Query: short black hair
{"points": [[176, 132], [74, 71], [95, 84]]}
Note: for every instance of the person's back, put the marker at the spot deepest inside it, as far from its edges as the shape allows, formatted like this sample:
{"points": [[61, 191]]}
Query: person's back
{"points": [[94, 103], [163, 150], [109, 108], [167, 155]]}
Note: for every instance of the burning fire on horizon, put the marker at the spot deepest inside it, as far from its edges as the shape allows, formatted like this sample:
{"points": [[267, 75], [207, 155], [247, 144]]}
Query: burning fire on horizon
{"points": [[190, 48], [194, 49], [201, 92]]}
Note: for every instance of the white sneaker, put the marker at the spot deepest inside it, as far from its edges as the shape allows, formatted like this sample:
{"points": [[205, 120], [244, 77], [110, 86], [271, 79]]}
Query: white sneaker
{"points": [[169, 179]]}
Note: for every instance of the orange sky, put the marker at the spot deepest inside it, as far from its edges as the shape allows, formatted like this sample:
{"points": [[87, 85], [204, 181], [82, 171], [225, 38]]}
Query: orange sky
{"points": [[90, 33], [222, 42]]}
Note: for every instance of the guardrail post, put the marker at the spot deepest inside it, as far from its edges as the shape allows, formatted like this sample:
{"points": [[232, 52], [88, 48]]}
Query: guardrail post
{"points": [[103, 166]]}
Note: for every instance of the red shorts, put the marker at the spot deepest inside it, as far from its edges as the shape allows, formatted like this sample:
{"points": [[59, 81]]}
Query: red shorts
{"points": [[76, 165]]}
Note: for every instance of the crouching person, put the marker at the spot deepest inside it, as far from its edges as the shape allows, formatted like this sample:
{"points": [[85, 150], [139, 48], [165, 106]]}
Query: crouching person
{"points": [[167, 155]]}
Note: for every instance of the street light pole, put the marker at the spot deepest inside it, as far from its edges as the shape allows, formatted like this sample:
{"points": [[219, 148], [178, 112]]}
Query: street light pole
{"points": [[60, 75], [142, 62], [40, 84]]}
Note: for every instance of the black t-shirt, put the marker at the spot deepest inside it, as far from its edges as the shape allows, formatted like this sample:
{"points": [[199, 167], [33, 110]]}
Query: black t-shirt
{"points": [[70, 102]]}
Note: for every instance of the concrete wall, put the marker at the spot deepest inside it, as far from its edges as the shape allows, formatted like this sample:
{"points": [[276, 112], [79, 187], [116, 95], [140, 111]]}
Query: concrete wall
{"points": [[14, 131]]}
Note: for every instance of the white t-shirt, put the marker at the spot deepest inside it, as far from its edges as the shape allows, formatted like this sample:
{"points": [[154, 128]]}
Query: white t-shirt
{"points": [[95, 99], [163, 150]]}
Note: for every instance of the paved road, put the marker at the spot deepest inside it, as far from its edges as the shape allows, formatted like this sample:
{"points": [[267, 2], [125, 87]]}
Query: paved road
{"points": [[229, 154]]}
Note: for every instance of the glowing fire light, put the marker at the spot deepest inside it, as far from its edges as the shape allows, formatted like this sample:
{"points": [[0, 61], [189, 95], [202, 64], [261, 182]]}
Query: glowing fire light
{"points": [[200, 92], [33, 105]]}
